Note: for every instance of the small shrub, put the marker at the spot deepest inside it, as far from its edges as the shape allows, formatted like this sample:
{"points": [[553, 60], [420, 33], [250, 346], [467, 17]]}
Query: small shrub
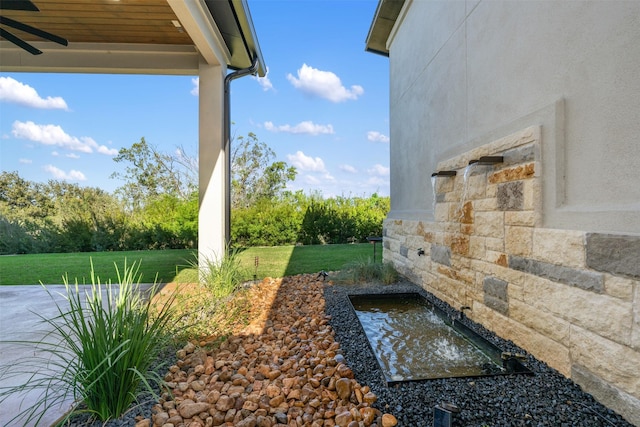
{"points": [[100, 350]]}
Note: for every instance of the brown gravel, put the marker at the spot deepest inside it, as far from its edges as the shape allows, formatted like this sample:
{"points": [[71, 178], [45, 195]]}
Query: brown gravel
{"points": [[283, 369]]}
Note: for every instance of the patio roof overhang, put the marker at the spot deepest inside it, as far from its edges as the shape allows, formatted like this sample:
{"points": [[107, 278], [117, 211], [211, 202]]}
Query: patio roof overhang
{"points": [[135, 36], [384, 20]]}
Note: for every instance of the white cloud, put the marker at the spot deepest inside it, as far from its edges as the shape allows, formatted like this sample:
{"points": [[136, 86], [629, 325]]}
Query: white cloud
{"points": [[56, 136], [378, 170], [348, 168], [13, 91], [103, 149], [196, 86], [306, 127], [306, 163], [375, 136], [324, 84], [264, 82], [73, 175], [72, 156], [55, 153], [25, 161]]}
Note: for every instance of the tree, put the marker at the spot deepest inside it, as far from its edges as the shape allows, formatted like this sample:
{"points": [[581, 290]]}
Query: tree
{"points": [[23, 200], [150, 173], [253, 174]]}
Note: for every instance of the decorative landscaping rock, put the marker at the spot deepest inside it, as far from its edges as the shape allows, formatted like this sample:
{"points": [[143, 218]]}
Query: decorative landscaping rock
{"points": [[285, 368]]}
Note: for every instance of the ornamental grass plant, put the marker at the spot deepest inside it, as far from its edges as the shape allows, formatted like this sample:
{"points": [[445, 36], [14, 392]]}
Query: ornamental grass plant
{"points": [[101, 350], [365, 270], [221, 276], [216, 303]]}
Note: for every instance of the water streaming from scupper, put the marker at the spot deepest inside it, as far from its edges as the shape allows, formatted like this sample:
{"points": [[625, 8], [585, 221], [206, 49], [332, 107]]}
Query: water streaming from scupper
{"points": [[465, 188], [435, 194], [412, 342]]}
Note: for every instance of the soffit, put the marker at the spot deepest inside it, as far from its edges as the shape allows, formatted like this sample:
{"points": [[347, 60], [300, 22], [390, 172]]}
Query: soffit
{"points": [[142, 26], [383, 21]]}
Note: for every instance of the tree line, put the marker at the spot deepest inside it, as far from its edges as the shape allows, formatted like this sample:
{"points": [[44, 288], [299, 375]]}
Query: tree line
{"points": [[157, 207]]}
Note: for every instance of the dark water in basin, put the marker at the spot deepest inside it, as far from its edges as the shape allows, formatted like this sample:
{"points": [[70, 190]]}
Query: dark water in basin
{"points": [[412, 342]]}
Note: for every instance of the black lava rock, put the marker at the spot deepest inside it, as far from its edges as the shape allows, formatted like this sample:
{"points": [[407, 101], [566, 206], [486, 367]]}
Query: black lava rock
{"points": [[546, 398]]}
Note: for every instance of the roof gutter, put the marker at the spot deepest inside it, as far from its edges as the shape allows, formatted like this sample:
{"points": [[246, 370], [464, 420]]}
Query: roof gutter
{"points": [[252, 70], [245, 23]]}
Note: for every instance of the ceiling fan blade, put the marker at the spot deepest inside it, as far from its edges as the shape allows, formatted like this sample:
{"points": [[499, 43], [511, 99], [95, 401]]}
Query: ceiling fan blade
{"points": [[33, 30], [18, 5], [19, 42]]}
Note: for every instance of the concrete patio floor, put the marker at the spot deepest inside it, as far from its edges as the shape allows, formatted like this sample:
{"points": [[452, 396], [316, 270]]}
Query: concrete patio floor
{"points": [[20, 311]]}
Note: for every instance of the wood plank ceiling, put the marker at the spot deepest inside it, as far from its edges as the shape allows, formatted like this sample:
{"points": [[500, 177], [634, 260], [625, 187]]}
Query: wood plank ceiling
{"points": [[104, 21]]}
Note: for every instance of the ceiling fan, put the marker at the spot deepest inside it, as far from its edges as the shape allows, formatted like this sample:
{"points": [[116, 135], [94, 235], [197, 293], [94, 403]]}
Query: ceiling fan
{"points": [[24, 5]]}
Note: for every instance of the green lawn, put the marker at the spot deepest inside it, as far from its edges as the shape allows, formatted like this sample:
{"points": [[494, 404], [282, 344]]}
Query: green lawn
{"points": [[171, 265], [49, 268]]}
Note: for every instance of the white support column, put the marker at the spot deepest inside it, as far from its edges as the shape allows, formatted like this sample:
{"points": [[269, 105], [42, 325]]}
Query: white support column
{"points": [[212, 166]]}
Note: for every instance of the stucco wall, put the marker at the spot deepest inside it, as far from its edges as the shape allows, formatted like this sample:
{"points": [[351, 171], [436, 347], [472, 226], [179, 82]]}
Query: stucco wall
{"points": [[464, 73], [544, 247]]}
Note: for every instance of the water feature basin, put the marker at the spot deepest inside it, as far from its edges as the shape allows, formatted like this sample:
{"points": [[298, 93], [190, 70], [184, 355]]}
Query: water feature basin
{"points": [[414, 340]]}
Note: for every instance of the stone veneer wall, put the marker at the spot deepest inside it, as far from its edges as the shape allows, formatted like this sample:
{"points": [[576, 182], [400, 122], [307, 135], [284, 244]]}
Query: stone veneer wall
{"points": [[570, 298]]}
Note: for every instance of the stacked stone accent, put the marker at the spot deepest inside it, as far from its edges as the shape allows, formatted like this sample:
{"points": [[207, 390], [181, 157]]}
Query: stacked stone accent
{"points": [[570, 298]]}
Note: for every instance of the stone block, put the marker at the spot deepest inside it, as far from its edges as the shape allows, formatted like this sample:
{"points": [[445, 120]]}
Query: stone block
{"points": [[517, 139], [441, 254], [465, 213], [425, 229], [489, 224], [495, 295], [616, 254], [441, 212], [516, 173], [496, 304], [540, 346], [611, 396], [541, 321], [614, 363], [477, 247], [516, 156], [601, 314], [510, 196], [409, 227], [467, 229], [619, 287], [499, 258], [404, 251], [476, 186], [495, 244], [532, 195], [495, 288], [492, 191], [486, 204], [565, 247], [394, 245], [460, 244], [484, 267], [518, 240], [520, 218], [516, 293], [582, 279], [444, 185]]}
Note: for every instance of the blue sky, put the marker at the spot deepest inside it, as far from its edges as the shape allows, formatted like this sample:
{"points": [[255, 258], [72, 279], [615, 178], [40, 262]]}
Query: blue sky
{"points": [[322, 108]]}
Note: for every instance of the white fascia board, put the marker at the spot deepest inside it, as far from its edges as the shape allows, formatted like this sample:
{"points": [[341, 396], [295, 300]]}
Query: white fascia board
{"points": [[398, 23], [109, 58], [195, 18]]}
